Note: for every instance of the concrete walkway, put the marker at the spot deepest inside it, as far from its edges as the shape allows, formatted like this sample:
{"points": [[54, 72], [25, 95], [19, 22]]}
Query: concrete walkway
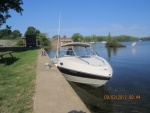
{"points": [[53, 93]]}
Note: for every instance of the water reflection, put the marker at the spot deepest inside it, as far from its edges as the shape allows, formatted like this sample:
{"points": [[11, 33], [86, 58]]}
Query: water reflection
{"points": [[95, 47], [111, 51], [119, 101], [94, 97], [52, 52], [133, 50], [54, 48]]}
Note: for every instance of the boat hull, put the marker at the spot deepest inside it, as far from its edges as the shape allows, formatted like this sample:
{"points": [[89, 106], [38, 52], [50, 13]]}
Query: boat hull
{"points": [[84, 78]]}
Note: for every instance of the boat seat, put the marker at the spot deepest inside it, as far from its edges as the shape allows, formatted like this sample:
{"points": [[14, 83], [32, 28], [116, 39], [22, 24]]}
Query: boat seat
{"points": [[70, 52]]}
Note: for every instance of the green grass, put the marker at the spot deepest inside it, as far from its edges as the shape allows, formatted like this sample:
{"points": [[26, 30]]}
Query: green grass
{"points": [[17, 83]]}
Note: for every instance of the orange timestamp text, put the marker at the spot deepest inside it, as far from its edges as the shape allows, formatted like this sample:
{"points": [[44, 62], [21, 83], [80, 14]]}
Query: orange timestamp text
{"points": [[122, 97]]}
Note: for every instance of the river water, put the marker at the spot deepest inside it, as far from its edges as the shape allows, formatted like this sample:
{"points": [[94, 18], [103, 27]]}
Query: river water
{"points": [[128, 91]]}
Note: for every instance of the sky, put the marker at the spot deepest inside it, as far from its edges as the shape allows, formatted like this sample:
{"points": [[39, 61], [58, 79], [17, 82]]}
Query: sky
{"points": [[87, 17]]}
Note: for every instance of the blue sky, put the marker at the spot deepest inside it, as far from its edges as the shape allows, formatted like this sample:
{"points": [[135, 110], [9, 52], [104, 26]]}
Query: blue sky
{"points": [[87, 17]]}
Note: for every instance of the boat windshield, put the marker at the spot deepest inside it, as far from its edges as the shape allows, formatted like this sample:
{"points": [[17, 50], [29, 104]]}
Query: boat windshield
{"points": [[76, 51]]}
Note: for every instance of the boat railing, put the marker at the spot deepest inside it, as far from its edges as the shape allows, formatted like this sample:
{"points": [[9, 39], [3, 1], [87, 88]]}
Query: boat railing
{"points": [[83, 60], [100, 59]]}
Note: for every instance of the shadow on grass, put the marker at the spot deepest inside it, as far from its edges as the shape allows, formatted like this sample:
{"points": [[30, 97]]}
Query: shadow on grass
{"points": [[9, 61], [17, 49]]}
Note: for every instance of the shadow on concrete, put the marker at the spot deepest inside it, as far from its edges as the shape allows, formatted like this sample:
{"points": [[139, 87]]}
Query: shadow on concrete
{"points": [[74, 111]]}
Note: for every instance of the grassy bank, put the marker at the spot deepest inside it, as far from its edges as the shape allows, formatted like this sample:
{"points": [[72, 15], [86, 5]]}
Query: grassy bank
{"points": [[17, 83]]}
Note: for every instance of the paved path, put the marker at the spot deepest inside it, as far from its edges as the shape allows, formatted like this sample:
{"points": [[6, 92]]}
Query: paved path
{"points": [[53, 93]]}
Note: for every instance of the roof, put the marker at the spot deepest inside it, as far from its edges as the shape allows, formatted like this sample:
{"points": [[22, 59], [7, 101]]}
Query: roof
{"points": [[62, 39], [65, 39], [76, 44]]}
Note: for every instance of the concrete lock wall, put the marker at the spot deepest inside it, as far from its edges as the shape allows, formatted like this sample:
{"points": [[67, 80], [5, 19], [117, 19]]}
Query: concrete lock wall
{"points": [[7, 43]]}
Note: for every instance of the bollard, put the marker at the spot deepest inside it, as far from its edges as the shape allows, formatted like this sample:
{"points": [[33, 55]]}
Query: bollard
{"points": [[47, 65], [43, 53]]}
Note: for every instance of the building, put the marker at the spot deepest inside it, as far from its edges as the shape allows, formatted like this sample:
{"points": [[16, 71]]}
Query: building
{"points": [[62, 41], [30, 40], [65, 40]]}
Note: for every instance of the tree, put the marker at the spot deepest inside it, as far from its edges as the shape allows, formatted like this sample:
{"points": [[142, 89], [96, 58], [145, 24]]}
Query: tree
{"points": [[16, 34], [43, 40], [8, 34], [113, 42], [32, 31], [86, 38], [19, 42], [64, 36], [145, 38], [56, 36], [109, 39], [5, 33], [77, 37], [94, 38], [6, 5]]}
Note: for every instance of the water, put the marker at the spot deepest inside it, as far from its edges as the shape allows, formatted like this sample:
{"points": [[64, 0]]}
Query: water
{"points": [[128, 91]]}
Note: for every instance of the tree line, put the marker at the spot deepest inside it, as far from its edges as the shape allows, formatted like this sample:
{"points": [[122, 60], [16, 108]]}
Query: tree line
{"points": [[16, 35], [9, 34], [145, 38], [77, 37]]}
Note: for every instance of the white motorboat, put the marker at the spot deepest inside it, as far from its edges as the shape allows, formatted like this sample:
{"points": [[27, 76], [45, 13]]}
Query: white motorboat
{"points": [[81, 64]]}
